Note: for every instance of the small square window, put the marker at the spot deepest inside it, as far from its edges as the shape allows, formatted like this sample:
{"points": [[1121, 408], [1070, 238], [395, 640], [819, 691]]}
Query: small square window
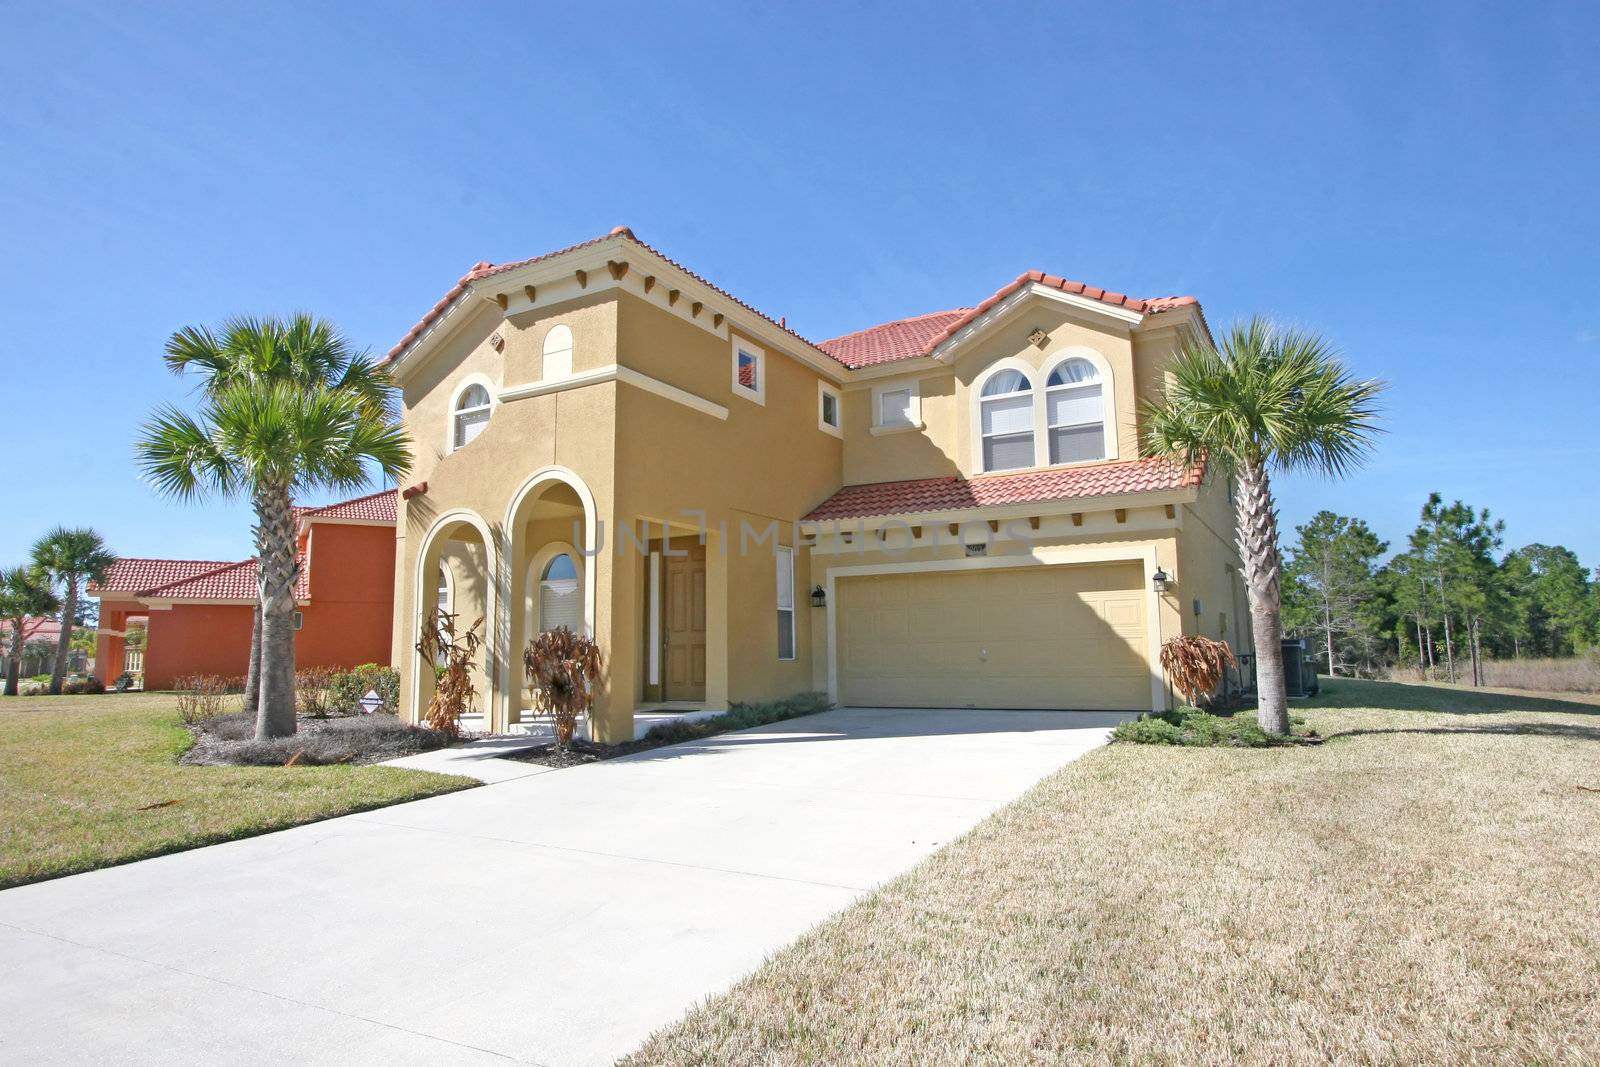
{"points": [[828, 417], [299, 620], [749, 371], [897, 407]]}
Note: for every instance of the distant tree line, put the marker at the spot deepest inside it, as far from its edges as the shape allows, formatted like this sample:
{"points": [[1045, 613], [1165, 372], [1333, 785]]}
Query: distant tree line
{"points": [[1446, 602]]}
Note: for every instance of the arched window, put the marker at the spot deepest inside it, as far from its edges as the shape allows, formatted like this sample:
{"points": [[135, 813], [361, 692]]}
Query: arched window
{"points": [[1075, 412], [560, 600], [557, 353], [471, 414], [446, 605], [1006, 421]]}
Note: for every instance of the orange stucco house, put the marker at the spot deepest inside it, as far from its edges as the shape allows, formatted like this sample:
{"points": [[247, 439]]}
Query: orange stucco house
{"points": [[198, 612]]}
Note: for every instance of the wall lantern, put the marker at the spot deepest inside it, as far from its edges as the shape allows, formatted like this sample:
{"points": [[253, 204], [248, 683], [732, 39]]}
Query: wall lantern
{"points": [[819, 598], [1159, 580]]}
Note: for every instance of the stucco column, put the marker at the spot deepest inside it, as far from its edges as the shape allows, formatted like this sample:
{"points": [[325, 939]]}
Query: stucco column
{"points": [[617, 569], [717, 549]]}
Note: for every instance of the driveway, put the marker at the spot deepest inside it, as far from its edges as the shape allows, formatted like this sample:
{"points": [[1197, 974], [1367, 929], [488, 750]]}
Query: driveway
{"points": [[557, 918]]}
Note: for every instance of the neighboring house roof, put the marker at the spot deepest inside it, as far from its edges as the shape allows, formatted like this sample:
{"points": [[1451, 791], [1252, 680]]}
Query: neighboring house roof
{"points": [[484, 269], [919, 336], [921, 495], [132, 575], [220, 579], [236, 581], [375, 507], [36, 628]]}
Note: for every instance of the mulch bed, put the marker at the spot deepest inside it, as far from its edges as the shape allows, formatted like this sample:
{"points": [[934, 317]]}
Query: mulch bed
{"points": [[579, 752], [229, 741]]}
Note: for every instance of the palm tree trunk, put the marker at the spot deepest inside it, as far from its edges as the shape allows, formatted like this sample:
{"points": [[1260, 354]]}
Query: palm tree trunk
{"points": [[252, 678], [276, 571], [1258, 547], [14, 659], [69, 609]]}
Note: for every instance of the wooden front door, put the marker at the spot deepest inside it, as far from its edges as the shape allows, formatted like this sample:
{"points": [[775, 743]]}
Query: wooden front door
{"points": [[686, 626]]}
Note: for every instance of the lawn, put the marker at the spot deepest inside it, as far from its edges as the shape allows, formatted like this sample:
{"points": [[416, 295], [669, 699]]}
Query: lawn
{"points": [[1424, 887], [89, 781]]}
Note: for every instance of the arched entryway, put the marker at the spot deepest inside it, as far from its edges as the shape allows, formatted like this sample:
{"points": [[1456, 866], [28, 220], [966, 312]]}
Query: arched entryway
{"points": [[455, 572], [551, 543]]}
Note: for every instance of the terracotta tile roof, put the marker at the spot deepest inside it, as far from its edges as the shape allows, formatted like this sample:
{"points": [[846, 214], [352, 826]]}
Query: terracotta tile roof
{"points": [[891, 341], [488, 270], [234, 581], [133, 575], [991, 490], [902, 339], [919, 336], [220, 579], [36, 628], [375, 507]]}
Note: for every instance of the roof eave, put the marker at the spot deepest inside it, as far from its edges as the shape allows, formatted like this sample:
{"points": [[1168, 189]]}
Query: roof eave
{"points": [[1002, 512], [946, 350], [593, 259]]}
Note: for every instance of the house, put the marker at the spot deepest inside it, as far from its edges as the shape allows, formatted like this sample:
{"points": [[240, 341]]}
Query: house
{"points": [[41, 635], [947, 510], [199, 613]]}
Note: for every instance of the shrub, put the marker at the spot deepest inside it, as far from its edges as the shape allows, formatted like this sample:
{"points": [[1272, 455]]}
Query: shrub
{"points": [[739, 717], [74, 686], [1193, 727], [200, 696], [452, 698], [562, 668], [311, 691], [33, 688], [348, 687], [1196, 665], [92, 684]]}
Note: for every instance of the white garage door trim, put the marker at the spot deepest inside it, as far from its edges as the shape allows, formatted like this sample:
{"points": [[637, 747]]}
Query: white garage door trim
{"points": [[1039, 557]]}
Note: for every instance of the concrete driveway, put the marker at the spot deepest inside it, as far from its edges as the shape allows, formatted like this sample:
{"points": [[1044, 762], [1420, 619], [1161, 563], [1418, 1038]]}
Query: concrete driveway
{"points": [[555, 919]]}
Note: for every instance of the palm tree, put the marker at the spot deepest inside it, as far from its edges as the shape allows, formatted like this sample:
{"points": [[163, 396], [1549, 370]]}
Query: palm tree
{"points": [[24, 593], [1268, 399], [269, 441], [70, 557], [301, 349]]}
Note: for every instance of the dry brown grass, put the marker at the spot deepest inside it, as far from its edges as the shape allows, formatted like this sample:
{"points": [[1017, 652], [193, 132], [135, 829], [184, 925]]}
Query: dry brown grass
{"points": [[1575, 674], [1425, 887]]}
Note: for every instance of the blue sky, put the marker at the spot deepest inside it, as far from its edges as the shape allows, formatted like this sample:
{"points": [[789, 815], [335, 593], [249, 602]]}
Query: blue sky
{"points": [[1415, 181]]}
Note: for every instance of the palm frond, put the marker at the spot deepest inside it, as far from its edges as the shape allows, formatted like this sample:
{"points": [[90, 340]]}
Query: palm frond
{"points": [[181, 457], [1268, 396]]}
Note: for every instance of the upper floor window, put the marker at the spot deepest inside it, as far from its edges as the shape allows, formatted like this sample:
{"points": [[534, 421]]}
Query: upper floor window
{"points": [[1060, 413], [1075, 412], [1006, 421], [557, 353], [828, 418], [749, 371], [896, 406], [471, 414]]}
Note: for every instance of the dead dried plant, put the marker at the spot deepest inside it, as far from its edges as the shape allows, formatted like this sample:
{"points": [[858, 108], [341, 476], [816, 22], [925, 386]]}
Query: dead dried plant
{"points": [[562, 668], [200, 696], [452, 695], [312, 691], [1196, 665]]}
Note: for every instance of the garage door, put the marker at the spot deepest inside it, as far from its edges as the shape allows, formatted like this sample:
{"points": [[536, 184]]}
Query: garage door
{"points": [[1022, 637]]}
